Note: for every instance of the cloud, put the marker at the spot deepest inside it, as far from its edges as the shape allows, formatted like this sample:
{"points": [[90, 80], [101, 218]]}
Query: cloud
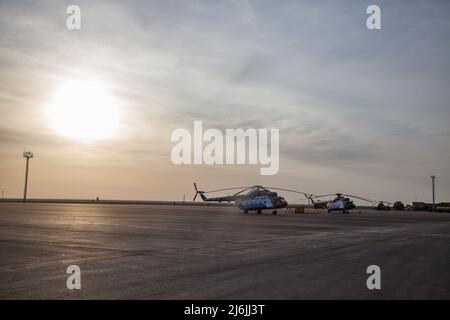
{"points": [[343, 97]]}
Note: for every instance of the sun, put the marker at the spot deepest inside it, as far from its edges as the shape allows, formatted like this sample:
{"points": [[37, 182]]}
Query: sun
{"points": [[83, 110]]}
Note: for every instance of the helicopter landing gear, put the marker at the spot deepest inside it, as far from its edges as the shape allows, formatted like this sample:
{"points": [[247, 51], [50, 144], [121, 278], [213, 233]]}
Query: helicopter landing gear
{"points": [[245, 211], [259, 211], [274, 212]]}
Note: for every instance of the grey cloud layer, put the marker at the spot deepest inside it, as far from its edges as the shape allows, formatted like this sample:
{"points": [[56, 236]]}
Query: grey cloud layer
{"points": [[342, 96]]}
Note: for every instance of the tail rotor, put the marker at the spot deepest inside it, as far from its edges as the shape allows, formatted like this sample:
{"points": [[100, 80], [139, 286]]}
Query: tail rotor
{"points": [[310, 199], [197, 192]]}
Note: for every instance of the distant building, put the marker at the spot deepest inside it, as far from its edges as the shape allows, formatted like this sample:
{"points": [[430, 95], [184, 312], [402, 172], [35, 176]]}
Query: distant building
{"points": [[423, 206]]}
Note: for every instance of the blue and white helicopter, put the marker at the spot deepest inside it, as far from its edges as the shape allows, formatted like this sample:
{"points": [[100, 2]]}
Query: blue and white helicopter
{"points": [[341, 203], [255, 198]]}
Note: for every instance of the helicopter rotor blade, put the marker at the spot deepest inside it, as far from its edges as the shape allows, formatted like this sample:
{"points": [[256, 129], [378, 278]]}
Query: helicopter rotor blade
{"points": [[196, 192], [360, 198], [243, 190], [289, 190], [377, 202], [324, 195], [227, 189], [308, 196], [219, 190]]}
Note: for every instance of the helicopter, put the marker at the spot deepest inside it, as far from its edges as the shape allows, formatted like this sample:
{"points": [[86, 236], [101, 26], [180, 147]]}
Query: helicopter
{"points": [[341, 202], [254, 198]]}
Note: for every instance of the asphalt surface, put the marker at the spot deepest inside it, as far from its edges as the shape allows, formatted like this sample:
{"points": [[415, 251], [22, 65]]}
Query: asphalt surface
{"points": [[185, 252]]}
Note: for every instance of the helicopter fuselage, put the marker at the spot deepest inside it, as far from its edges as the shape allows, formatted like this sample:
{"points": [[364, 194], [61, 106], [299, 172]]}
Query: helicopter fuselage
{"points": [[261, 202], [342, 204]]}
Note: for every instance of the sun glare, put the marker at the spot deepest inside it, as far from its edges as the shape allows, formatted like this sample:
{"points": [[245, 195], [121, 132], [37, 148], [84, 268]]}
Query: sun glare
{"points": [[83, 110]]}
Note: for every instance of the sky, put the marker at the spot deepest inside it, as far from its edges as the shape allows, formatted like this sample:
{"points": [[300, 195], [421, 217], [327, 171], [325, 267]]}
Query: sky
{"points": [[360, 111]]}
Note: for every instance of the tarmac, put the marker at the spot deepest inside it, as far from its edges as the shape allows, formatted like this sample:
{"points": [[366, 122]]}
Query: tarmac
{"points": [[128, 251]]}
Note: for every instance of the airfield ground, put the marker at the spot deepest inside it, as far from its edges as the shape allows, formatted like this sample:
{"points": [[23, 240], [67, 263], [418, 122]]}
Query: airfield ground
{"points": [[187, 252]]}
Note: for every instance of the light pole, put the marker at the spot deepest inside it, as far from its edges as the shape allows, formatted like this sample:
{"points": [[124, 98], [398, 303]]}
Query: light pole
{"points": [[28, 156], [3, 195], [433, 177]]}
